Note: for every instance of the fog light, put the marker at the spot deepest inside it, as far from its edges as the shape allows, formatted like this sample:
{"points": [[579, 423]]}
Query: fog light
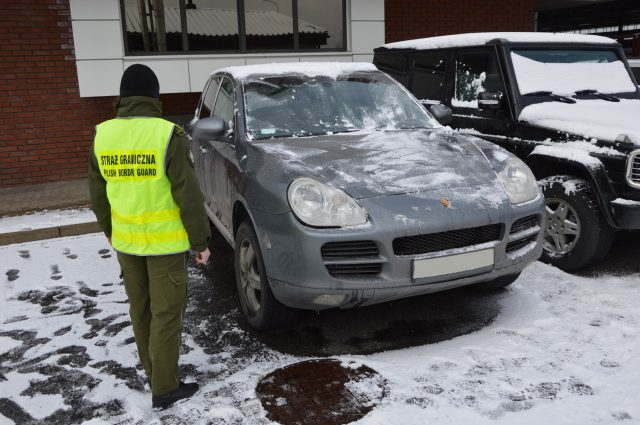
{"points": [[331, 300]]}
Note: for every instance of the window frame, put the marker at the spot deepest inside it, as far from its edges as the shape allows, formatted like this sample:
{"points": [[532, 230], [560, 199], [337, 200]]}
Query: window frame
{"points": [[242, 48], [489, 51], [201, 103], [222, 79], [445, 56]]}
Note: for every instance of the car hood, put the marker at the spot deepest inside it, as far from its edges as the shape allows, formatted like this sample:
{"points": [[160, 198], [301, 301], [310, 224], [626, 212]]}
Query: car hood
{"points": [[597, 119], [381, 163]]}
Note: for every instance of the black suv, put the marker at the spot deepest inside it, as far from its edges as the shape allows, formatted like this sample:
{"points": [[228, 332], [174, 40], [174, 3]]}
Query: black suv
{"points": [[567, 104]]}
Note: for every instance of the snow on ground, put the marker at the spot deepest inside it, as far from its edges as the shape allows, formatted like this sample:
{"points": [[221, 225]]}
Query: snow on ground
{"points": [[45, 219], [564, 350]]}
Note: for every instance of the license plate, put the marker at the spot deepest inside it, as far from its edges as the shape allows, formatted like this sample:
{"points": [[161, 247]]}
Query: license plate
{"points": [[439, 266]]}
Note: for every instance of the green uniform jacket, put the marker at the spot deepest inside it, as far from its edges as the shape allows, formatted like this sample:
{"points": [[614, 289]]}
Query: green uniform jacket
{"points": [[184, 184]]}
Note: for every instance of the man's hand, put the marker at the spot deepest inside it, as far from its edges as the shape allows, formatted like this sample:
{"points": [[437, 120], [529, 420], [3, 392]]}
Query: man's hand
{"points": [[109, 240], [203, 257]]}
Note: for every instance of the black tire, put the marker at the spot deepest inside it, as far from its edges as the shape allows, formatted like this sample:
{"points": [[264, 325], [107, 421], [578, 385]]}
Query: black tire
{"points": [[258, 304], [499, 283], [593, 236]]}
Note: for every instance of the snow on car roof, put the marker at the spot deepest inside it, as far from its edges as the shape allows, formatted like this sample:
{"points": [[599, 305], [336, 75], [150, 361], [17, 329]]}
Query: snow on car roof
{"points": [[313, 69], [480, 38]]}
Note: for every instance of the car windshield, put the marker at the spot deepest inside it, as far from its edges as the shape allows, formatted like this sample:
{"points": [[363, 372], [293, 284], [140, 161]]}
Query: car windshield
{"points": [[286, 106], [570, 72]]}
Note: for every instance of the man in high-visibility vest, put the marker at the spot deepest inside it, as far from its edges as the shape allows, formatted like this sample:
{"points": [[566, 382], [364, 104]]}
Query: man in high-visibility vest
{"points": [[146, 198]]}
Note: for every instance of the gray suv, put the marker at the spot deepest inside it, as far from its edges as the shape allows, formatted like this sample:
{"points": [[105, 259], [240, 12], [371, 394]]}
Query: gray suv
{"points": [[336, 188]]}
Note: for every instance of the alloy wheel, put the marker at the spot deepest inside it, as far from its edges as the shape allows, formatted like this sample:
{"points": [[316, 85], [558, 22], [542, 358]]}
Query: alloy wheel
{"points": [[250, 277], [562, 230]]}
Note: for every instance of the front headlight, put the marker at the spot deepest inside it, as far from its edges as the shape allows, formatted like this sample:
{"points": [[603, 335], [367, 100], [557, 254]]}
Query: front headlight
{"points": [[518, 181], [320, 205]]}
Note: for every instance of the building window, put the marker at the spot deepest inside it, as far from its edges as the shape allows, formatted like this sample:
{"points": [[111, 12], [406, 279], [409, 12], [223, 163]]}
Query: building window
{"points": [[156, 27]]}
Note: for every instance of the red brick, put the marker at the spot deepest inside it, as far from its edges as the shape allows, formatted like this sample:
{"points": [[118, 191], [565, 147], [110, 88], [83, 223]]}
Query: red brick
{"points": [[407, 19]]}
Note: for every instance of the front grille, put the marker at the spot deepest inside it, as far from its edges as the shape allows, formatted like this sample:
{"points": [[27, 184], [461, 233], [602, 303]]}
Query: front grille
{"points": [[520, 243], [524, 223], [334, 255], [633, 169], [369, 269], [351, 249], [433, 242]]}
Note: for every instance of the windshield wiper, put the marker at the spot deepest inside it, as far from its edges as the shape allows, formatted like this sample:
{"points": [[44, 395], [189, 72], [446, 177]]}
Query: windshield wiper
{"points": [[596, 93], [341, 130], [552, 95]]}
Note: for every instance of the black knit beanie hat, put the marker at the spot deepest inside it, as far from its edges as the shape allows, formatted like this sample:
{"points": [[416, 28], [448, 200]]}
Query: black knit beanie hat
{"points": [[139, 80]]}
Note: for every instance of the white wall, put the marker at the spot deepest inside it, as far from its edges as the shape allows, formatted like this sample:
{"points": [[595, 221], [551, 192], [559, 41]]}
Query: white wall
{"points": [[100, 60]]}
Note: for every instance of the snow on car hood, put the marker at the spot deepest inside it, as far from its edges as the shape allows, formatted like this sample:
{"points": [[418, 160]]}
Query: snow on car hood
{"points": [[589, 118], [366, 165]]}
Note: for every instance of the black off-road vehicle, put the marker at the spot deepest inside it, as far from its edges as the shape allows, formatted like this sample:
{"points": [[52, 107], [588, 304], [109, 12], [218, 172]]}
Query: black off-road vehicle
{"points": [[567, 104]]}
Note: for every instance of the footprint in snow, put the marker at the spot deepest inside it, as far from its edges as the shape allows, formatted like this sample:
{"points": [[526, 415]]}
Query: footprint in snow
{"points": [[67, 253], [104, 253], [24, 253], [12, 274], [55, 272]]}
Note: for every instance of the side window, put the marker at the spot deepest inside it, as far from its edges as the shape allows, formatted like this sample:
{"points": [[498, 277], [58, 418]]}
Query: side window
{"points": [[394, 65], [224, 102], [476, 72], [429, 77], [208, 98]]}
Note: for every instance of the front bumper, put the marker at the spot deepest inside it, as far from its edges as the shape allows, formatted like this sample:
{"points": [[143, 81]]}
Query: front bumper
{"points": [[300, 278], [626, 214]]}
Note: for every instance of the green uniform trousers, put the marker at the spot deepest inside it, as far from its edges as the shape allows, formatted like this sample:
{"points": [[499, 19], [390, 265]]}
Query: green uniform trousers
{"points": [[157, 291]]}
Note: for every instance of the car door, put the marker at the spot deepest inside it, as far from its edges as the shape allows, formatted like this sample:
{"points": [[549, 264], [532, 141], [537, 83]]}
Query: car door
{"points": [[475, 71], [225, 168], [202, 155]]}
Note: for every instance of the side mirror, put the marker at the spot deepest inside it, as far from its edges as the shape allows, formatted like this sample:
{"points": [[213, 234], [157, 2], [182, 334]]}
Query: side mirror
{"points": [[208, 129], [490, 100], [442, 113]]}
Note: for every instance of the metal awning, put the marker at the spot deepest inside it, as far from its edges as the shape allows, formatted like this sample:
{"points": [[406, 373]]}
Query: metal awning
{"points": [[224, 22]]}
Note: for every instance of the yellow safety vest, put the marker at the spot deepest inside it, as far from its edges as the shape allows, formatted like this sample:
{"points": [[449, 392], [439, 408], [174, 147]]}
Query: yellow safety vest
{"points": [[145, 219]]}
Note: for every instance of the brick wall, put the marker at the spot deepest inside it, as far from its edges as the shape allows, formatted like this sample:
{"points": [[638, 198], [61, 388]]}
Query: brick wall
{"points": [[408, 19], [46, 128]]}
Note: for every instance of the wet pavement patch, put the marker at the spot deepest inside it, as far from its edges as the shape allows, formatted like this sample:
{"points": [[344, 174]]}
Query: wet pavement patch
{"points": [[389, 326], [322, 392], [127, 374]]}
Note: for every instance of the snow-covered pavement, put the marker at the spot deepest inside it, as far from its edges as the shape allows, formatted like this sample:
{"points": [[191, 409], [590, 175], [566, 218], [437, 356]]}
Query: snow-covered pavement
{"points": [[563, 350]]}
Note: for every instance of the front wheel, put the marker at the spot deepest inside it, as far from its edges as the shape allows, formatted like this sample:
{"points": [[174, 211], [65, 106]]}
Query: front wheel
{"points": [[575, 234], [258, 304]]}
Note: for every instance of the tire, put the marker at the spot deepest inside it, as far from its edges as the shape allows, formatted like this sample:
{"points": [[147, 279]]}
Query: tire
{"points": [[575, 233], [499, 283], [258, 304]]}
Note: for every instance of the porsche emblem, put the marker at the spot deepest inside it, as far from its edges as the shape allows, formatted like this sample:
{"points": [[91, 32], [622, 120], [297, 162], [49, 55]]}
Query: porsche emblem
{"points": [[445, 202]]}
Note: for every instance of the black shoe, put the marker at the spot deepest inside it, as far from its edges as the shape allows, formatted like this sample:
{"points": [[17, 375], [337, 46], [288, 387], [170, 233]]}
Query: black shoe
{"points": [[166, 400]]}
